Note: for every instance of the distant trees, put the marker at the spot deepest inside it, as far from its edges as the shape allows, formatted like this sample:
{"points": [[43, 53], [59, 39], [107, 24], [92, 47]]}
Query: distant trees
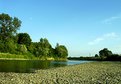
{"points": [[105, 53], [96, 55]]}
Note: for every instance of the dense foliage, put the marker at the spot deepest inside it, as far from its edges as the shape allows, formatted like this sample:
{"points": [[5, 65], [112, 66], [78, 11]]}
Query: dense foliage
{"points": [[24, 38], [106, 54], [21, 43], [8, 26], [61, 51]]}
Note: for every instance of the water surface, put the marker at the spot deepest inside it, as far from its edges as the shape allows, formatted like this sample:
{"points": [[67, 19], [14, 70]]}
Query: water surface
{"points": [[28, 66]]}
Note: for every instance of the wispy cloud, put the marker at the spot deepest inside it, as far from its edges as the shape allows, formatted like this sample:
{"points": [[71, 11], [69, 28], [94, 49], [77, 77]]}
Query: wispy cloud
{"points": [[96, 41], [111, 19], [104, 37]]}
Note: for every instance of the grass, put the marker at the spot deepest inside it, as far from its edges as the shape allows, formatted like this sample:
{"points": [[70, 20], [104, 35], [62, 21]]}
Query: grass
{"points": [[27, 56], [15, 56]]}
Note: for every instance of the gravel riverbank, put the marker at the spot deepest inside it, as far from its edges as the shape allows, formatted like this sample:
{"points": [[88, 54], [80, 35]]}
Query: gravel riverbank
{"points": [[87, 73]]}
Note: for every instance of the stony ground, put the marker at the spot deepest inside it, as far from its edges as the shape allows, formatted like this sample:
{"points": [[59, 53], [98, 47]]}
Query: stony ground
{"points": [[87, 73]]}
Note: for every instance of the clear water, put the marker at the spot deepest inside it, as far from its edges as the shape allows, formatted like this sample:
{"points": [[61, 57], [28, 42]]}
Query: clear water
{"points": [[29, 66]]}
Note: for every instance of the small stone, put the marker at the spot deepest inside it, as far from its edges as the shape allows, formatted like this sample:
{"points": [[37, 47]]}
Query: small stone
{"points": [[99, 82]]}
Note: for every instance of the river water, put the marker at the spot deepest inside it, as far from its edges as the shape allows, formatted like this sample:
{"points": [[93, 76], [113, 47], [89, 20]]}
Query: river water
{"points": [[29, 66]]}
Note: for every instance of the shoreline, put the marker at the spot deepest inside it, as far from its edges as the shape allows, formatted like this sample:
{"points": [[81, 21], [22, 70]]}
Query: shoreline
{"points": [[8, 56], [86, 73], [13, 59], [48, 59]]}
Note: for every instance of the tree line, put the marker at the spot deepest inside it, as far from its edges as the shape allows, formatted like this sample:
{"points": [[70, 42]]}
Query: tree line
{"points": [[104, 55], [107, 55], [21, 43]]}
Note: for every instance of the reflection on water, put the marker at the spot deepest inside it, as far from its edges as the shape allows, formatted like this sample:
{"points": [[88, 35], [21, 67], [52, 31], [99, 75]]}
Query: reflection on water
{"points": [[29, 66]]}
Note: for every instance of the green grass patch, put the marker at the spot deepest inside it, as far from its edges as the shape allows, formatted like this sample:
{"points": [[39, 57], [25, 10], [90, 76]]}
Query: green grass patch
{"points": [[27, 56], [12, 56]]}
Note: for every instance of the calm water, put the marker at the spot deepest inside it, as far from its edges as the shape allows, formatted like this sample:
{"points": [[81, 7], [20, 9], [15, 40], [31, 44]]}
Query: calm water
{"points": [[29, 66]]}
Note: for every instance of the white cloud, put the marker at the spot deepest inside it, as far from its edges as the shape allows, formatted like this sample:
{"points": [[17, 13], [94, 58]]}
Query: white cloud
{"points": [[108, 36], [96, 41], [111, 19]]}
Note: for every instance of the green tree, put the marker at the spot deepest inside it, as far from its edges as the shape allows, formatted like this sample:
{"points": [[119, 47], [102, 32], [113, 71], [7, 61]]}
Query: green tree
{"points": [[8, 26], [22, 48], [8, 30], [2, 46], [24, 38], [10, 46], [96, 55], [61, 51], [31, 48], [105, 53], [44, 47]]}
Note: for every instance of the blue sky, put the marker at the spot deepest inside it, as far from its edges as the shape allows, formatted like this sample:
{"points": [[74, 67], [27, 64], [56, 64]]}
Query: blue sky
{"points": [[83, 26]]}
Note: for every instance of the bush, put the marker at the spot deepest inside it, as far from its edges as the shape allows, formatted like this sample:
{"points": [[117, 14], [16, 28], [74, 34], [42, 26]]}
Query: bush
{"points": [[114, 57], [22, 49]]}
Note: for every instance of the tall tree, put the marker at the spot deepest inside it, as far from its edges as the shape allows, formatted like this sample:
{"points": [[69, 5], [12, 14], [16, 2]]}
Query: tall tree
{"points": [[42, 48], [61, 51], [8, 26], [96, 55], [105, 53], [24, 38], [45, 47]]}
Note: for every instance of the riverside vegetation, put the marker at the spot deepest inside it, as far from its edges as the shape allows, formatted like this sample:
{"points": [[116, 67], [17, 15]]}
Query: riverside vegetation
{"points": [[20, 45]]}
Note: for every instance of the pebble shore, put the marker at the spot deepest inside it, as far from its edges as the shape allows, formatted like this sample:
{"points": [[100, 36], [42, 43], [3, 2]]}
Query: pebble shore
{"points": [[86, 73]]}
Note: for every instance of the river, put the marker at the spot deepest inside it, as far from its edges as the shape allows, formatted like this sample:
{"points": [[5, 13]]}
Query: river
{"points": [[29, 66]]}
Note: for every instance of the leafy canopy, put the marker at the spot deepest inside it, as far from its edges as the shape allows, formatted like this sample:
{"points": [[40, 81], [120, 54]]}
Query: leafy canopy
{"points": [[8, 26], [24, 38]]}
